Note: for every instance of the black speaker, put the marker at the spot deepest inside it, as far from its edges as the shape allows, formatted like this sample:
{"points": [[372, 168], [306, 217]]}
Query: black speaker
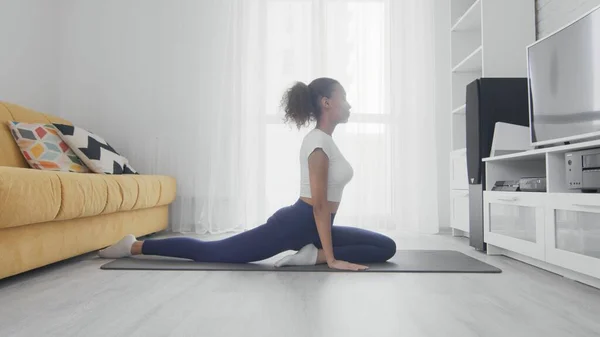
{"points": [[489, 100]]}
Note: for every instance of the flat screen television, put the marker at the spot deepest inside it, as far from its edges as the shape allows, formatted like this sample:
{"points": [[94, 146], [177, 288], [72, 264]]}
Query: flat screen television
{"points": [[564, 83]]}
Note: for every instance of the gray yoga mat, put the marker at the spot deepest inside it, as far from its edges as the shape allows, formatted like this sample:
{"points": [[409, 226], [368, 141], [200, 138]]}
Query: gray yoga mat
{"points": [[405, 261]]}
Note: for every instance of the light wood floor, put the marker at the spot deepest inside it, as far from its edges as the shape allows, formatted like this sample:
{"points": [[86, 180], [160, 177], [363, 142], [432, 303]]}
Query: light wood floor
{"points": [[76, 298]]}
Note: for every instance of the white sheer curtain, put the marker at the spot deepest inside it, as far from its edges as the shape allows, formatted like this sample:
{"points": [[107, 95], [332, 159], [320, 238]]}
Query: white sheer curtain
{"points": [[382, 52], [201, 81]]}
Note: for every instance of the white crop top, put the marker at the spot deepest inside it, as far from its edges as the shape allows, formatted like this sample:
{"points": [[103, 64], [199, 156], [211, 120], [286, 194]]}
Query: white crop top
{"points": [[340, 171]]}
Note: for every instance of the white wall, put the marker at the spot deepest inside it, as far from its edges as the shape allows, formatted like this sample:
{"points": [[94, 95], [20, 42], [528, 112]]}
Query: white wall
{"points": [[138, 65], [443, 108], [29, 53], [112, 65], [554, 14]]}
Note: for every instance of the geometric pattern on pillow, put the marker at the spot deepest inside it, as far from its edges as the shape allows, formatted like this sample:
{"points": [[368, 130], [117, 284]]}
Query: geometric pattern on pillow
{"points": [[94, 151], [44, 149]]}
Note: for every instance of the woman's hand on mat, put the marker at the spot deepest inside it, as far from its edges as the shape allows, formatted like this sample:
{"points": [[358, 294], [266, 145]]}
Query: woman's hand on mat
{"points": [[343, 265]]}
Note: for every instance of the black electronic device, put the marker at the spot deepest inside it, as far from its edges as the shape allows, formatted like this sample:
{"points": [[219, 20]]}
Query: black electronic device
{"points": [[532, 184], [506, 185], [489, 100]]}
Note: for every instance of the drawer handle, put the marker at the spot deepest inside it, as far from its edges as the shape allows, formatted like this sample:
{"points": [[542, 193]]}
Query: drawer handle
{"points": [[513, 199], [586, 206]]}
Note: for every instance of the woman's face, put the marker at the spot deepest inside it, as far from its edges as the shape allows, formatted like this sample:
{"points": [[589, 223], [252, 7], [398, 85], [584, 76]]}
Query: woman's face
{"points": [[337, 106]]}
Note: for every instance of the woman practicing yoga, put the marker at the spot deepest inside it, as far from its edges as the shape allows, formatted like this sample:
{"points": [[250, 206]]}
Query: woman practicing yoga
{"points": [[307, 225]]}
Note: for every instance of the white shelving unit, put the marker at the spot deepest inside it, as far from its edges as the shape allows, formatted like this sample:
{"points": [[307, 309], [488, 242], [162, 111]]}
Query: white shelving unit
{"points": [[557, 230], [460, 110], [471, 63], [470, 20], [488, 39]]}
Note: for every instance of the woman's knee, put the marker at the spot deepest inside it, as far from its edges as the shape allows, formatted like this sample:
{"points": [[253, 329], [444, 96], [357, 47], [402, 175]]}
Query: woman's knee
{"points": [[388, 247]]}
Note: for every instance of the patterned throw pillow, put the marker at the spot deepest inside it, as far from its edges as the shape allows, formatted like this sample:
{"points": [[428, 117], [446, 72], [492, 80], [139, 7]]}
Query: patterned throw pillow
{"points": [[44, 149], [95, 152]]}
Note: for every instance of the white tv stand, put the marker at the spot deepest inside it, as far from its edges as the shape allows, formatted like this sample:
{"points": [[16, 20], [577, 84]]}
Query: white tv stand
{"points": [[557, 230]]}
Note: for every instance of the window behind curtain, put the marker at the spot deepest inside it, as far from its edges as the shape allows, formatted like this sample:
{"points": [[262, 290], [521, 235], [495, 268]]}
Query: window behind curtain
{"points": [[346, 40]]}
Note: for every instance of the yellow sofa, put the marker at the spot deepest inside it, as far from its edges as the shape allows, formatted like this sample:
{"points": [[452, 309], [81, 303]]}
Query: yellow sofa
{"points": [[47, 216]]}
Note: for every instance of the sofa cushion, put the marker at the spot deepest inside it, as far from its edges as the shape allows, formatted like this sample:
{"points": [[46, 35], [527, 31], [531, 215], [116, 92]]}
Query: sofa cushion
{"points": [[95, 152], [31, 196], [43, 149], [10, 155]]}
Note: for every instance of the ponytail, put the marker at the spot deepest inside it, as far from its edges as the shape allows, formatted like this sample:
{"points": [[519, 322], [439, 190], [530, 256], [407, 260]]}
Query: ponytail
{"points": [[298, 106], [301, 102]]}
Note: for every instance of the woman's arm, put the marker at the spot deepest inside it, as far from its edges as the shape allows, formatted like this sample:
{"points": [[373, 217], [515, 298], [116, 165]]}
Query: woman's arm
{"points": [[318, 167]]}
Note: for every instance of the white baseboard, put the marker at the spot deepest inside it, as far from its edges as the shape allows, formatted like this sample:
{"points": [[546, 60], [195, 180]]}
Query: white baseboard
{"points": [[459, 233]]}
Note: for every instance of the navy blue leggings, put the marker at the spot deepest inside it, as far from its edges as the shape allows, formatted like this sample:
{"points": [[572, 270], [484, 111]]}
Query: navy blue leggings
{"points": [[290, 228]]}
